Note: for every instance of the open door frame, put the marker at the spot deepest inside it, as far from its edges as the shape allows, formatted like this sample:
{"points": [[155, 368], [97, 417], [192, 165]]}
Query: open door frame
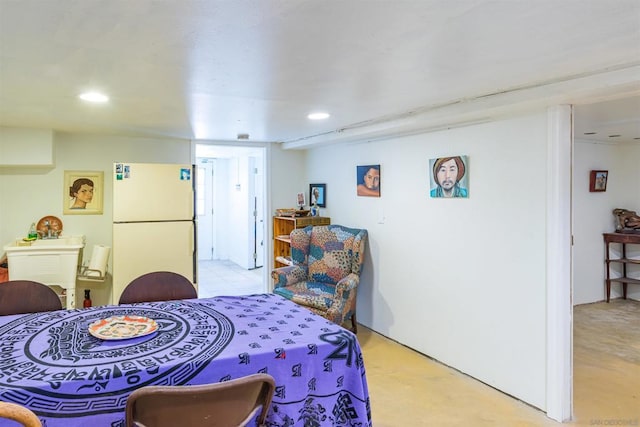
{"points": [[261, 152]]}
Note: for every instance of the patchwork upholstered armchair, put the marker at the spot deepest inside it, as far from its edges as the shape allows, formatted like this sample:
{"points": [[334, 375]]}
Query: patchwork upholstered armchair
{"points": [[327, 261]]}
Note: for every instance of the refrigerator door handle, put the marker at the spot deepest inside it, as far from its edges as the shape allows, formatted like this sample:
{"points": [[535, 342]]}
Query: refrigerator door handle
{"points": [[194, 245]]}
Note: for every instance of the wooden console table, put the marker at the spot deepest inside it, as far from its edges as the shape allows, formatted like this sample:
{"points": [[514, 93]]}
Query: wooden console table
{"points": [[623, 239]]}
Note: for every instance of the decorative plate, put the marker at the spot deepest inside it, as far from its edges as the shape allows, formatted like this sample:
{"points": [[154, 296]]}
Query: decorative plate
{"points": [[55, 225], [122, 327]]}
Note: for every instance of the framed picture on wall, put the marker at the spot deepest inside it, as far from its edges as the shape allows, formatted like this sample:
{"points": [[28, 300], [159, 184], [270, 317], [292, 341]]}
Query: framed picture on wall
{"points": [[598, 181], [82, 192], [318, 194], [368, 180], [449, 177]]}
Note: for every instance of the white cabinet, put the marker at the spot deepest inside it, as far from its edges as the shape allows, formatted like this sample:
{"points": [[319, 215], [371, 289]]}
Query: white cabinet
{"points": [[26, 147], [53, 262]]}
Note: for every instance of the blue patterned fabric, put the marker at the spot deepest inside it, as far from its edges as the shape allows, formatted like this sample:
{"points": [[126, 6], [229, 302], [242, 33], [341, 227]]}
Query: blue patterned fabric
{"points": [[53, 365], [327, 262]]}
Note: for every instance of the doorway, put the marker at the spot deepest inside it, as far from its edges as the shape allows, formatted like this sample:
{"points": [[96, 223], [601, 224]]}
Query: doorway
{"points": [[230, 206], [594, 149]]}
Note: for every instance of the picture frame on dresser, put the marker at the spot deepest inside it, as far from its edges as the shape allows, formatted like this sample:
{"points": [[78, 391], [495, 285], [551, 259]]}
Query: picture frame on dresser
{"points": [[300, 200]]}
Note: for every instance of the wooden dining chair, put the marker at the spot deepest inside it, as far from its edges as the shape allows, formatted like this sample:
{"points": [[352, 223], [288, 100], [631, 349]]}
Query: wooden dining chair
{"points": [[26, 296], [231, 403], [15, 412], [158, 286]]}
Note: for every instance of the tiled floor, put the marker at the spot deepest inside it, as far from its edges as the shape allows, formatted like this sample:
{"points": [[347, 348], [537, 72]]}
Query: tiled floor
{"points": [[227, 278]]}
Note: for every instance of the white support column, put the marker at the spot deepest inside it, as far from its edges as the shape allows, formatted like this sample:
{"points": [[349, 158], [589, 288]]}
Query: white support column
{"points": [[559, 246]]}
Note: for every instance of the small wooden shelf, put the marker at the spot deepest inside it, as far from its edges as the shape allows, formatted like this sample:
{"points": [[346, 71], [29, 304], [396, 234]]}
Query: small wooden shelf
{"points": [[623, 239], [282, 228]]}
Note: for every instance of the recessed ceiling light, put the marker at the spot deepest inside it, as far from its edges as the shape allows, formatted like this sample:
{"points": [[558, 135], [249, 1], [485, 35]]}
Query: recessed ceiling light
{"points": [[318, 116], [94, 97]]}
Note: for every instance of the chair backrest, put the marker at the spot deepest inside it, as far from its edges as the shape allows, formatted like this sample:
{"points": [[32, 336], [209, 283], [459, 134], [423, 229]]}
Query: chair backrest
{"points": [[225, 404], [330, 252], [27, 296], [15, 412], [158, 286]]}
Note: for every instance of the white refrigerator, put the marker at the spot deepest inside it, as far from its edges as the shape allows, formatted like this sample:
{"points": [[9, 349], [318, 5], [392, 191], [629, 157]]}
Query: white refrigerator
{"points": [[154, 227]]}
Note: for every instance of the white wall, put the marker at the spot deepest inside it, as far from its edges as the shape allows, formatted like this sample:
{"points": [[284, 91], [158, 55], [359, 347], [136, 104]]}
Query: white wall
{"points": [[630, 172], [287, 171], [32, 147], [592, 214], [462, 281]]}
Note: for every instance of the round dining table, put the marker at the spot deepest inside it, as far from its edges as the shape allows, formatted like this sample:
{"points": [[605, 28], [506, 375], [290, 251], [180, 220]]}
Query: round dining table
{"points": [[70, 376]]}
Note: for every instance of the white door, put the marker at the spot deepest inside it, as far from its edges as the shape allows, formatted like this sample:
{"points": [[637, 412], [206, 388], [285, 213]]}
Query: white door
{"points": [[226, 180], [205, 195], [259, 212]]}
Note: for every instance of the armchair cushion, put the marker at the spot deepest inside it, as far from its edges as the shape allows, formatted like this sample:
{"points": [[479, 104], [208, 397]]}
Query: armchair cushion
{"points": [[311, 294]]}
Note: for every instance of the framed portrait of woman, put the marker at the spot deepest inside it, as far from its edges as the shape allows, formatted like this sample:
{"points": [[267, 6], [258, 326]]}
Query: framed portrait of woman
{"points": [[82, 192], [368, 180]]}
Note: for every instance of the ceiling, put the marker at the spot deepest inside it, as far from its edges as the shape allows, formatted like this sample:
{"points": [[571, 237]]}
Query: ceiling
{"points": [[214, 69]]}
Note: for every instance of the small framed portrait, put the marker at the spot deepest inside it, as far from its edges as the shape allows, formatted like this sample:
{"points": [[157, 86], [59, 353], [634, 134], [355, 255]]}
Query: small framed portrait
{"points": [[598, 181], [449, 177], [318, 195], [368, 182], [300, 200], [83, 192]]}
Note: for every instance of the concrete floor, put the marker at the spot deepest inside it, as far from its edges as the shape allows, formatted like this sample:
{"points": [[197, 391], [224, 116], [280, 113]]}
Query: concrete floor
{"points": [[408, 389], [606, 363]]}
